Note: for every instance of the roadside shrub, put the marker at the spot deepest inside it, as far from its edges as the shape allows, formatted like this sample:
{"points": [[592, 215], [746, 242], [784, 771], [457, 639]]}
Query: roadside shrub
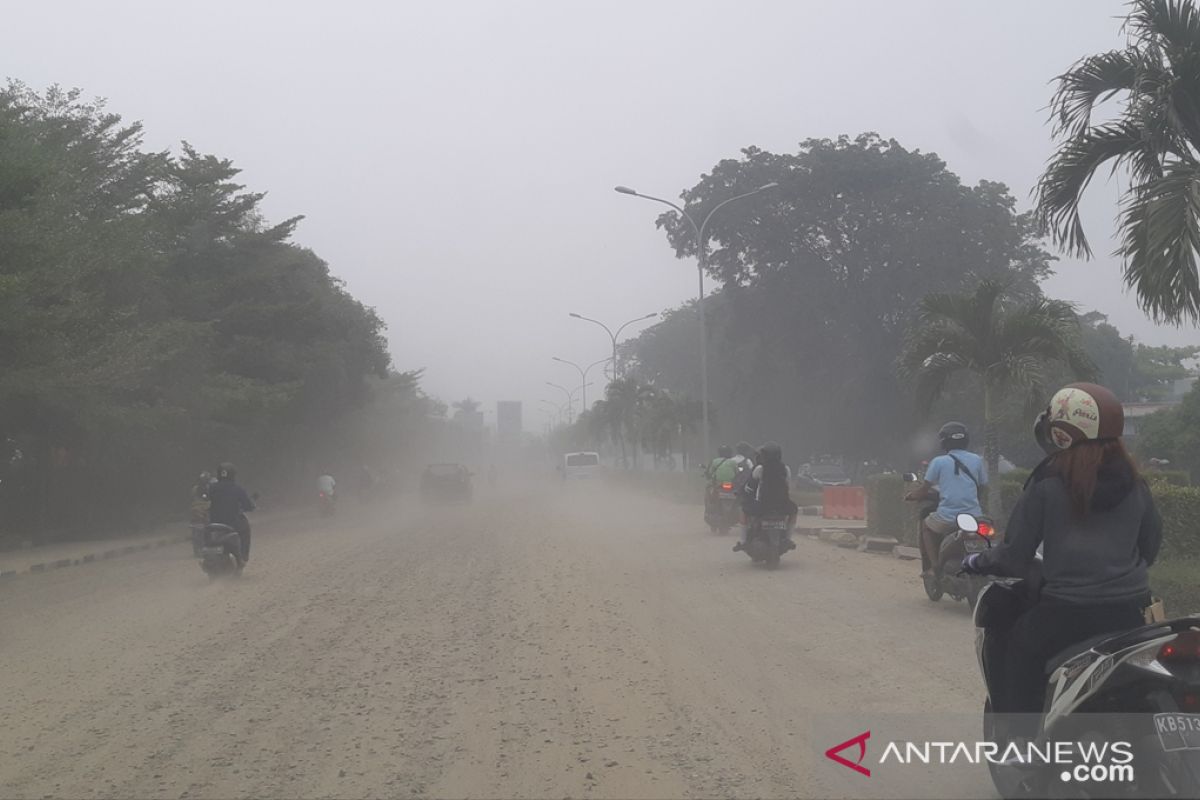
{"points": [[1177, 582], [1172, 477], [888, 514], [1180, 510]]}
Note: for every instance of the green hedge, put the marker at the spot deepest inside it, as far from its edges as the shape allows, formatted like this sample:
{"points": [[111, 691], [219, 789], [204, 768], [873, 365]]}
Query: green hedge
{"points": [[1180, 509], [1177, 582], [888, 513], [1173, 477]]}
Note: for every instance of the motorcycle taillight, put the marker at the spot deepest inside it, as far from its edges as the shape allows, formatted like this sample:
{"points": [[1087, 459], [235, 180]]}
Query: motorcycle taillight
{"points": [[727, 487], [1184, 648]]}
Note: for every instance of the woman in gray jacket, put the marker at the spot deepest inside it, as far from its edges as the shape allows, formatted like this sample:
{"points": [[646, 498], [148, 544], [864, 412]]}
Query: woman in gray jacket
{"points": [[1095, 520]]}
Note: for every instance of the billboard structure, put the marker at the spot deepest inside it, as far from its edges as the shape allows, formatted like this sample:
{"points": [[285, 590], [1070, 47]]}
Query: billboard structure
{"points": [[508, 423]]}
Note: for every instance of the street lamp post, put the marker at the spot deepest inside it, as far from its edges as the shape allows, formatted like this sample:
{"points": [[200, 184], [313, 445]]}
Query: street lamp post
{"points": [[613, 336], [583, 371], [702, 259], [570, 399]]}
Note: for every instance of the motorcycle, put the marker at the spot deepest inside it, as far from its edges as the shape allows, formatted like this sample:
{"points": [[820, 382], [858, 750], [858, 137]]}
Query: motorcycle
{"points": [[767, 539], [724, 508], [327, 503], [954, 548], [221, 551], [1142, 686]]}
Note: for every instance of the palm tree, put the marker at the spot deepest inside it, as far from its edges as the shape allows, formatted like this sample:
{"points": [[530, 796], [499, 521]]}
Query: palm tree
{"points": [[626, 401], [1156, 138], [1010, 346]]}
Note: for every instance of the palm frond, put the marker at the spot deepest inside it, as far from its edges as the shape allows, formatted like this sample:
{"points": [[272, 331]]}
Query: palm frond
{"points": [[1160, 240], [1069, 172], [1091, 81]]}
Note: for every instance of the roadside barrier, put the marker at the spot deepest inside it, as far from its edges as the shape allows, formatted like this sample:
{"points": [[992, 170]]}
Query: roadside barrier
{"points": [[845, 502]]}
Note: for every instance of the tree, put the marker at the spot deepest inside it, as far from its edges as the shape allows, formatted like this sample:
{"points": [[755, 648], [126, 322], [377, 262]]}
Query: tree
{"points": [[151, 321], [1009, 346], [820, 278], [1155, 138]]}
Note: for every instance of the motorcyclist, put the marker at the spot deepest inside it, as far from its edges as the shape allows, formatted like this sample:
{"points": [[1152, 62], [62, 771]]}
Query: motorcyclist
{"points": [[228, 503], [960, 477], [326, 485], [766, 493], [199, 508], [200, 491], [1095, 520], [719, 469]]}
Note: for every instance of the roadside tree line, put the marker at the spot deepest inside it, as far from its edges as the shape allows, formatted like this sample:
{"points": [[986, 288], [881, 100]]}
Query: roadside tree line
{"points": [[153, 322]]}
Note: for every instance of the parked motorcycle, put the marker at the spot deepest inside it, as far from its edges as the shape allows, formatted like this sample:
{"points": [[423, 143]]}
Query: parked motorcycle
{"points": [[724, 509], [221, 551], [767, 539], [1140, 686], [953, 549]]}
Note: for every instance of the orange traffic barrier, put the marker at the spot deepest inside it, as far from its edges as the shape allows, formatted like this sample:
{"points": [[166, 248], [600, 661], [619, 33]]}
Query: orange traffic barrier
{"points": [[844, 502]]}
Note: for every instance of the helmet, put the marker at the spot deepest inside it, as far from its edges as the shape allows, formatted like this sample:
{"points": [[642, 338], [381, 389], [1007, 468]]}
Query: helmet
{"points": [[954, 436], [725, 451], [770, 453], [205, 476], [1079, 412], [226, 471]]}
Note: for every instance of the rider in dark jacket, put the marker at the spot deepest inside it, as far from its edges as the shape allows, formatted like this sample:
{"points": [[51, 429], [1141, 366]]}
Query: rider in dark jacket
{"points": [[1099, 530], [228, 503]]}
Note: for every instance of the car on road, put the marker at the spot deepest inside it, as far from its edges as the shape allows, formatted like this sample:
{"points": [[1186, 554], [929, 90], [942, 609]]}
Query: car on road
{"points": [[446, 483], [817, 476], [580, 466]]}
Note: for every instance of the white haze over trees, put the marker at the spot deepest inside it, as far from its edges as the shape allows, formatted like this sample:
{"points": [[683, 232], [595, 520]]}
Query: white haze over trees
{"points": [[455, 161]]}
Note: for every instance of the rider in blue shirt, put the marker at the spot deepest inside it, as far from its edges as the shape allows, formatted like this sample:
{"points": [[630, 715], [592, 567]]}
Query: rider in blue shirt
{"points": [[959, 477]]}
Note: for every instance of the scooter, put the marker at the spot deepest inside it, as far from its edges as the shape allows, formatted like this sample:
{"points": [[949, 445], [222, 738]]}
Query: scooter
{"points": [[1140, 687], [954, 548], [724, 509], [221, 551], [767, 539], [327, 503]]}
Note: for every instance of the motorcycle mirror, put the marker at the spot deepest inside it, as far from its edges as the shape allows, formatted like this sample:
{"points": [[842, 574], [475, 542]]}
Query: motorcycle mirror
{"points": [[911, 477], [967, 523]]}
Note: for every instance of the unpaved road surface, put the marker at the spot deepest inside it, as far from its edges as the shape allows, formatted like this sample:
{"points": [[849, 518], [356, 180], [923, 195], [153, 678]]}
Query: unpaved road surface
{"points": [[592, 645]]}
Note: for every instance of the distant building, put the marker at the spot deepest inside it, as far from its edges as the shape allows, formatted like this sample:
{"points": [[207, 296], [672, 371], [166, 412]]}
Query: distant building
{"points": [[469, 420], [509, 426]]}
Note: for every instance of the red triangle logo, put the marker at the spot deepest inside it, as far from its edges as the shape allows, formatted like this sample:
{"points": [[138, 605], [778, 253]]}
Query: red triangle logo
{"points": [[860, 740]]}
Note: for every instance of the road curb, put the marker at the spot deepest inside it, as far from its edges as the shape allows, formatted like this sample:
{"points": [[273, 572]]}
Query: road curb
{"points": [[98, 555]]}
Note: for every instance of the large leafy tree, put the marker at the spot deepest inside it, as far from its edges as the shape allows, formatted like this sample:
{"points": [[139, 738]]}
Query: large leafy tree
{"points": [[151, 321], [1155, 138], [820, 278], [1010, 346]]}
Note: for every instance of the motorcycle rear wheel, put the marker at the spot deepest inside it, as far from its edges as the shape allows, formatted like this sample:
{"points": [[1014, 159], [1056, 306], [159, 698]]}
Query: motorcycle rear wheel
{"points": [[933, 588]]}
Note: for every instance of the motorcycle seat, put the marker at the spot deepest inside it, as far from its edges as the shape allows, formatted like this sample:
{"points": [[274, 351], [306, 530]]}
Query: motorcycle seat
{"points": [[1079, 647], [217, 527]]}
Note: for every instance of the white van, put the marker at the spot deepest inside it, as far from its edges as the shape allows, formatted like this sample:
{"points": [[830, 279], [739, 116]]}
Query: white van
{"points": [[581, 465]]}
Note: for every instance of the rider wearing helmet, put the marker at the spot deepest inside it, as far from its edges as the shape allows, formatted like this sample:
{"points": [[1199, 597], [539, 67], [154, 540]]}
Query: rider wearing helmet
{"points": [[1099, 530], [766, 493], [959, 476], [228, 503]]}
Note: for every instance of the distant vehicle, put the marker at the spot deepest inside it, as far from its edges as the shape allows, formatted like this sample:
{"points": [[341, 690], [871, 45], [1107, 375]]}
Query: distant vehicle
{"points": [[580, 466], [446, 483], [815, 476]]}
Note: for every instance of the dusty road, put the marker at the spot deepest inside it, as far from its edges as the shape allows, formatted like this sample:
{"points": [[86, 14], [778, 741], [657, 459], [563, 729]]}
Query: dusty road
{"points": [[587, 647]]}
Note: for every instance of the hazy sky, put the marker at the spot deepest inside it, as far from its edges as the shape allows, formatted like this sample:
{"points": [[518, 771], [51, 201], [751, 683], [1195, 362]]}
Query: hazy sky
{"points": [[456, 160]]}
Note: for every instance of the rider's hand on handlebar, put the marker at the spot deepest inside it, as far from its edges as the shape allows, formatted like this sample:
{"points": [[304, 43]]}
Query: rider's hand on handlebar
{"points": [[969, 564]]}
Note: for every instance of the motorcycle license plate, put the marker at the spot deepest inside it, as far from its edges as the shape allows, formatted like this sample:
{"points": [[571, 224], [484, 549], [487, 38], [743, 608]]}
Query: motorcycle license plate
{"points": [[775, 525], [1178, 731], [212, 552]]}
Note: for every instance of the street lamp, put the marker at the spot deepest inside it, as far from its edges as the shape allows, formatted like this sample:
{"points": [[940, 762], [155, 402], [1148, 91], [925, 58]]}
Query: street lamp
{"points": [[702, 259], [583, 371], [570, 399], [613, 336]]}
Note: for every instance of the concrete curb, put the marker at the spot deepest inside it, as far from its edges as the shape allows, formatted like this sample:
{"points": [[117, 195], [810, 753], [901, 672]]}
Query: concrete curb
{"points": [[877, 544], [99, 555]]}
